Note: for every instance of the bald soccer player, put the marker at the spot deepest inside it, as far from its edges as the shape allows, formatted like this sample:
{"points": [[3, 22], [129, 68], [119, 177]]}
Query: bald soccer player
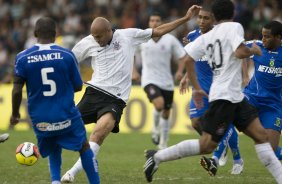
{"points": [[112, 54]]}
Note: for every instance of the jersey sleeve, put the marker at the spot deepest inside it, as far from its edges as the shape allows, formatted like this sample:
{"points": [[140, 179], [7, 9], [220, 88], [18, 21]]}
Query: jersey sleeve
{"points": [[194, 50], [80, 50], [74, 72], [19, 68], [177, 49], [139, 36], [236, 37]]}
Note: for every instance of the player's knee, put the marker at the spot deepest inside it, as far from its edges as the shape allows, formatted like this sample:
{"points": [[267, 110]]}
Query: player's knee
{"points": [[159, 107], [165, 114], [207, 146], [197, 127], [84, 147]]}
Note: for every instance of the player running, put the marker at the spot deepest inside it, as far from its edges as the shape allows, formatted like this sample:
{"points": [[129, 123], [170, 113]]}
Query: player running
{"points": [[157, 79]]}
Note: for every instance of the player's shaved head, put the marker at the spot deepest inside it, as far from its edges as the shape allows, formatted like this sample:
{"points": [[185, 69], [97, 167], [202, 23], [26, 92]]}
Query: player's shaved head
{"points": [[100, 23], [45, 28], [101, 31]]}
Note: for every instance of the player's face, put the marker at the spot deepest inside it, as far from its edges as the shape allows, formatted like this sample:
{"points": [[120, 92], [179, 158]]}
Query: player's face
{"points": [[155, 21], [268, 39], [102, 37], [205, 21]]}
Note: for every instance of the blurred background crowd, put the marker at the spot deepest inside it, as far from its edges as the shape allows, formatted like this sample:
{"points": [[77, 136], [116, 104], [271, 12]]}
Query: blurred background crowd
{"points": [[18, 17]]}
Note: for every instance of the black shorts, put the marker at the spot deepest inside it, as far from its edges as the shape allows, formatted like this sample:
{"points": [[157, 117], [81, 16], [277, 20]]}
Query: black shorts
{"points": [[154, 91], [96, 103], [221, 113]]}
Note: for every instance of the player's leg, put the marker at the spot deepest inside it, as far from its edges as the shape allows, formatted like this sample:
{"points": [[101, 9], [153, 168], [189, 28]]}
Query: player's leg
{"points": [[104, 126], [164, 120], [89, 164], [55, 162], [205, 145], [238, 164], [271, 121], [76, 140], [220, 153], [183, 149], [251, 126], [155, 97]]}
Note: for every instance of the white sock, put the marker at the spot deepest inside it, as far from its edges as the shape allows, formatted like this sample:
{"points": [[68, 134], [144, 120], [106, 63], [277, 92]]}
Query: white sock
{"points": [[94, 147], [269, 160], [164, 132], [180, 150], [78, 165], [156, 116], [56, 182]]}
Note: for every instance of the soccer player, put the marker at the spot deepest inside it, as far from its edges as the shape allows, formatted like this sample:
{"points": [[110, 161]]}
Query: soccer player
{"points": [[51, 75], [157, 79], [112, 55], [4, 137], [224, 47], [205, 22], [264, 90]]}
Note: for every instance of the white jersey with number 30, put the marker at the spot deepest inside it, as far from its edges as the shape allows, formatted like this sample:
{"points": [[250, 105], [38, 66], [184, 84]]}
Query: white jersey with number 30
{"points": [[219, 45]]}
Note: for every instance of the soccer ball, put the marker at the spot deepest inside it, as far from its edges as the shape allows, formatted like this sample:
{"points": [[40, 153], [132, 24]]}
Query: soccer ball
{"points": [[27, 154]]}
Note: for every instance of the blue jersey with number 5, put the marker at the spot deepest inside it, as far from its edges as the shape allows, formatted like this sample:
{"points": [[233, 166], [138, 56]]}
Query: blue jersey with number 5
{"points": [[51, 75]]}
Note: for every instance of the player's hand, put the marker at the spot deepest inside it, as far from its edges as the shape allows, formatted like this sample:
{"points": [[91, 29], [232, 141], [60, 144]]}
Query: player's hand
{"points": [[198, 96], [184, 85], [192, 11], [256, 49], [178, 76], [14, 120], [185, 41]]}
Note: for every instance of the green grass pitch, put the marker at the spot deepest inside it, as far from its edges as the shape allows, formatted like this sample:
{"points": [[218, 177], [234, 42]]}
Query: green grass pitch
{"points": [[121, 160]]}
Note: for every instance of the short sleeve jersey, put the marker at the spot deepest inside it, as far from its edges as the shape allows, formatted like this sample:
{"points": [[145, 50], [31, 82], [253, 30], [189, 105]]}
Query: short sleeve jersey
{"points": [[156, 61], [113, 63], [51, 75], [219, 45]]}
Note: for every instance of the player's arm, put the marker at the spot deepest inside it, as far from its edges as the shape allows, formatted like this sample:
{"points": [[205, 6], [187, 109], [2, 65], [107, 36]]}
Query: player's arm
{"points": [[168, 27], [245, 73], [16, 99], [74, 73], [180, 68], [245, 52], [198, 93]]}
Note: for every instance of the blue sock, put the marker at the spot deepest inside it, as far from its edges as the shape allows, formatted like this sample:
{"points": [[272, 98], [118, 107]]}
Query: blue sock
{"points": [[221, 146], [90, 166], [278, 153], [234, 146], [55, 161]]}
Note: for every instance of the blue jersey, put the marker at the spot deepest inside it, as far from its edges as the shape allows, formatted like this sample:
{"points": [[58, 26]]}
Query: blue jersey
{"points": [[204, 75], [203, 70], [51, 75], [267, 79], [264, 90]]}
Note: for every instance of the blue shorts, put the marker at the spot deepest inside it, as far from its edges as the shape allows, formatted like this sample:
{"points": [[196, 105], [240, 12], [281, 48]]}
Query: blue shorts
{"points": [[71, 140], [270, 113], [196, 113]]}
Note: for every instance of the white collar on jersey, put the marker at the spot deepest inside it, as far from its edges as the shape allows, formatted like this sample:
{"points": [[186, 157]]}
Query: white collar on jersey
{"points": [[45, 46]]}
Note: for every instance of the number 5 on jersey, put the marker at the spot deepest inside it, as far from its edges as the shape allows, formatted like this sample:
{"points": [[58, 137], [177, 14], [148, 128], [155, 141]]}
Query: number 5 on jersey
{"points": [[46, 81]]}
